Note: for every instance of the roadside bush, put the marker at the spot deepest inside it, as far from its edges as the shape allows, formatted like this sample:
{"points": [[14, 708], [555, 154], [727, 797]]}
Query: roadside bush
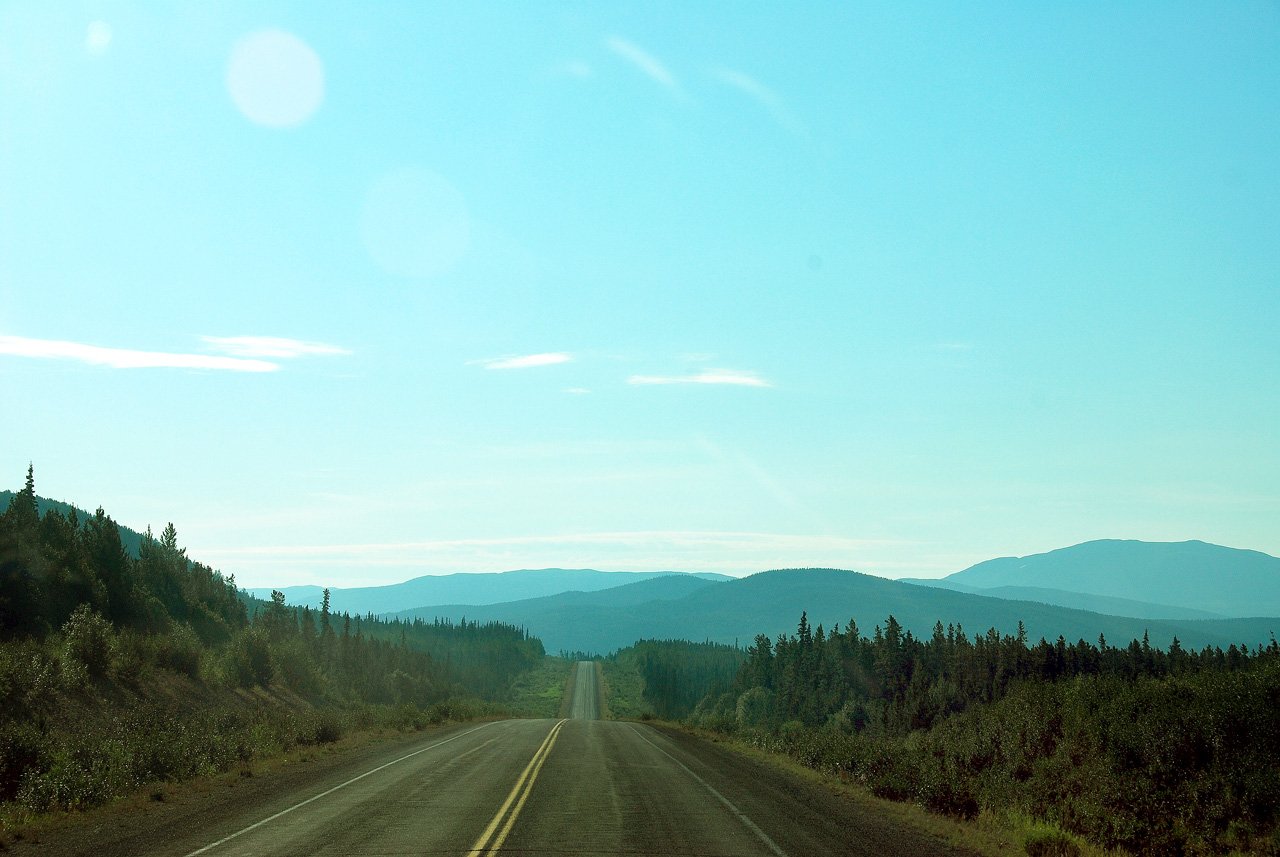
{"points": [[296, 668], [132, 655], [86, 637], [180, 651], [755, 708], [1050, 843], [21, 749], [248, 658], [319, 727]]}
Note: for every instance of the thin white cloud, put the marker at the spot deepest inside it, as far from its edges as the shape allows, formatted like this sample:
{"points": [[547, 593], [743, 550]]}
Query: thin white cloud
{"points": [[576, 68], [727, 552], [577, 390], [761, 94], [122, 358], [708, 376], [646, 62], [269, 346], [524, 361]]}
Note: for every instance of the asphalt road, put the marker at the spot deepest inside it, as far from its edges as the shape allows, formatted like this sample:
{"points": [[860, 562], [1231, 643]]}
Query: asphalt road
{"points": [[578, 786], [584, 702]]}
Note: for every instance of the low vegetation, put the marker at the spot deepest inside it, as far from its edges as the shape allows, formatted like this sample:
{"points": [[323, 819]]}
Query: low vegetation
{"points": [[120, 669], [538, 693], [667, 678], [1150, 751], [624, 687]]}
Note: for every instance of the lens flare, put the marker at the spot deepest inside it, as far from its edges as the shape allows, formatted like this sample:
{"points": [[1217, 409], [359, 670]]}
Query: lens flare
{"points": [[275, 78]]}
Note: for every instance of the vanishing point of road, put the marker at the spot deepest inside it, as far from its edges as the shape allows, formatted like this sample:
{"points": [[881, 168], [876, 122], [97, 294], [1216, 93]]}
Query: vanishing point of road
{"points": [[573, 786]]}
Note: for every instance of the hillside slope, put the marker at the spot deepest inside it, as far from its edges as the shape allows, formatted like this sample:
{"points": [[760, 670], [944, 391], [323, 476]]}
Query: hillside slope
{"points": [[131, 539], [454, 589], [1075, 600], [771, 603]]}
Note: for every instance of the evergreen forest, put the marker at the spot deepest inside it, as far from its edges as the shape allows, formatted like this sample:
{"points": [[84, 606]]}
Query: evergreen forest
{"points": [[120, 668], [1155, 751]]}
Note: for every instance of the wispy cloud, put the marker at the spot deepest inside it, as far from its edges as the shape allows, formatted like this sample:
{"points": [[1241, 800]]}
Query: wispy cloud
{"points": [[761, 94], [269, 346], [122, 358], [525, 361], [576, 68], [728, 552], [577, 390], [708, 376], [646, 62]]}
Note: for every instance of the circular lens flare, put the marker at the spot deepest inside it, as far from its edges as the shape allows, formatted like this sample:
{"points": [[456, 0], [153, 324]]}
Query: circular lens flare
{"points": [[275, 78]]}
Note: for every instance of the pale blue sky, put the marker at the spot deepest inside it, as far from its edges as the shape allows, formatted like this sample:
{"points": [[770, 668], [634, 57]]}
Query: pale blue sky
{"points": [[726, 287]]}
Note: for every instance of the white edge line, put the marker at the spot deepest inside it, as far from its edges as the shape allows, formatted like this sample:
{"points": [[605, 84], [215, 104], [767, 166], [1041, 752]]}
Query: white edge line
{"points": [[742, 816], [256, 825]]}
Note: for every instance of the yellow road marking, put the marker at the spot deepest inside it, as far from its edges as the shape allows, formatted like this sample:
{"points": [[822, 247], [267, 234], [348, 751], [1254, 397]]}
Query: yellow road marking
{"points": [[527, 777], [511, 819]]}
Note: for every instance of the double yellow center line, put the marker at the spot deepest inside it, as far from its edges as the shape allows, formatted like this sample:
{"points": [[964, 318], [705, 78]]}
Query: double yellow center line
{"points": [[519, 794]]}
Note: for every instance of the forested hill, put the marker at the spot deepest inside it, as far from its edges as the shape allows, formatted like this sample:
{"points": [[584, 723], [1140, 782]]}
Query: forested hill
{"points": [[483, 588], [65, 573], [1191, 575], [768, 603], [131, 539]]}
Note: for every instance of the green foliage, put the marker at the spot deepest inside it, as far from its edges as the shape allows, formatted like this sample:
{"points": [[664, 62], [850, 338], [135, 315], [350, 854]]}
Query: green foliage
{"points": [[677, 673], [1050, 843], [537, 693], [87, 638], [1155, 752], [85, 622], [625, 687]]}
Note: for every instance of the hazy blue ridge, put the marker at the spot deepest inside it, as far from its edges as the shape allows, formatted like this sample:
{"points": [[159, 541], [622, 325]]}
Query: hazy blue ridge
{"points": [[771, 602], [1077, 600], [1192, 575], [667, 587], [480, 589]]}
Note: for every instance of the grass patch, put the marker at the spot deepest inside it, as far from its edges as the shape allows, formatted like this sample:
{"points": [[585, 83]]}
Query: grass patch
{"points": [[624, 688], [602, 688], [538, 692]]}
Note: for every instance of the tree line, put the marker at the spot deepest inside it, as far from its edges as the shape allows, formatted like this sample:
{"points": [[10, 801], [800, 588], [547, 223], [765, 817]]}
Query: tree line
{"points": [[1156, 751], [85, 622]]}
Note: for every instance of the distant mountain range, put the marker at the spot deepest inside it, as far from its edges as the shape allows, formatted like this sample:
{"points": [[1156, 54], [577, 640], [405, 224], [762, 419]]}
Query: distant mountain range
{"points": [[1159, 580], [479, 589], [1202, 593], [771, 603]]}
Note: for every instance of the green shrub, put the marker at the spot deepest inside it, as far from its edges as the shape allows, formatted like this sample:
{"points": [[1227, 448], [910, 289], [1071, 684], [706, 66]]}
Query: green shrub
{"points": [[87, 637], [21, 750], [755, 708], [180, 651], [1050, 843], [132, 655], [248, 658], [296, 668]]}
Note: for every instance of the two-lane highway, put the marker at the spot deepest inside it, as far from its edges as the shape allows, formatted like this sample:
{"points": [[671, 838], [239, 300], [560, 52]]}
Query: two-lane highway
{"points": [[579, 786], [584, 702]]}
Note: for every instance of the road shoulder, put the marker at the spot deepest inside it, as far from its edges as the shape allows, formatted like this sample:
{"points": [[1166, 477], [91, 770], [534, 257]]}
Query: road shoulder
{"points": [[166, 811], [985, 835]]}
